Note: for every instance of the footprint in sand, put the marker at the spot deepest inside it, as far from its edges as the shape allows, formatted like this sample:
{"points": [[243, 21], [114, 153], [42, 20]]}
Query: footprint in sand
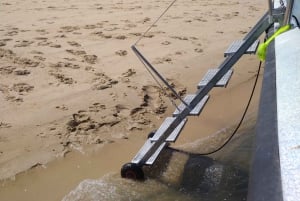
{"points": [[6, 70], [36, 52], [152, 98], [68, 29], [62, 107], [60, 64], [135, 34], [26, 62], [90, 26], [74, 44], [146, 19], [81, 128], [78, 118], [89, 68], [162, 60], [181, 90], [98, 6], [53, 45], [130, 72], [23, 43], [22, 88], [149, 35], [119, 108], [41, 38], [102, 35], [200, 19], [76, 33], [42, 31], [44, 43], [22, 72], [62, 78], [179, 53], [6, 4], [179, 37], [91, 59], [121, 37], [103, 82], [125, 76], [166, 43], [12, 33], [253, 8], [2, 43], [40, 58], [14, 99], [129, 26], [121, 52], [6, 53], [6, 91], [138, 119], [60, 36], [76, 52], [5, 125], [97, 107], [70, 59], [194, 38], [243, 32], [198, 50]]}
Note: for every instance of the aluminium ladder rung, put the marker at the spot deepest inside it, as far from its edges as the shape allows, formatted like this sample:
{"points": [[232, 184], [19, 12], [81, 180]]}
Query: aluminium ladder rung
{"points": [[165, 125], [143, 151], [173, 136], [188, 99], [152, 141], [237, 44], [152, 159], [210, 74]]}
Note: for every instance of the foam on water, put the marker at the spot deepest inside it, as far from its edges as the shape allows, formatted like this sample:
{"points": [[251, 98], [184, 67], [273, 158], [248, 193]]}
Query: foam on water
{"points": [[113, 188]]}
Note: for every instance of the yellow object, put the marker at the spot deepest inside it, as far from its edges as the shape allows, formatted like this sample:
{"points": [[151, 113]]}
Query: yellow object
{"points": [[262, 48]]}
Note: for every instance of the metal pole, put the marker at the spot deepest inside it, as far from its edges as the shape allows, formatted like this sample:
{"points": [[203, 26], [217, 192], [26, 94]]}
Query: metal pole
{"points": [[145, 61], [288, 12], [271, 6]]}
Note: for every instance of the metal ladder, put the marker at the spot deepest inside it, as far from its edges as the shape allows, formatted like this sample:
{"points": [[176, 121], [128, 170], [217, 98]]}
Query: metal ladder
{"points": [[192, 104]]}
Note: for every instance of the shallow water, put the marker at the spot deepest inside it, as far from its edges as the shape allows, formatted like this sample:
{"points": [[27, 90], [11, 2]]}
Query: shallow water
{"points": [[180, 176], [175, 176]]}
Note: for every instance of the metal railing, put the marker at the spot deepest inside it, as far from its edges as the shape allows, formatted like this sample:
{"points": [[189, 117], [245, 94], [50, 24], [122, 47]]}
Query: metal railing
{"points": [[288, 12]]}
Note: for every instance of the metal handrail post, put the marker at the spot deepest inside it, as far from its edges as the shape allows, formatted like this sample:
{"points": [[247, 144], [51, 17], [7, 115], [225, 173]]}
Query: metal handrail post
{"points": [[288, 12], [271, 6]]}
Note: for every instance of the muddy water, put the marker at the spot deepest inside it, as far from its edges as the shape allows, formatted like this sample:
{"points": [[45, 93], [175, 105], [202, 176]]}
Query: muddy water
{"points": [[180, 176], [176, 175]]}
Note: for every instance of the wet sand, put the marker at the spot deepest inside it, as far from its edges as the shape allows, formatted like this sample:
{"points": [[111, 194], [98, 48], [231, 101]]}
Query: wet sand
{"points": [[70, 83]]}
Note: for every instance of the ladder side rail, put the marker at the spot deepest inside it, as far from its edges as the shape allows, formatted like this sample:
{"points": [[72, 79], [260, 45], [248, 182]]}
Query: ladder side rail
{"points": [[262, 25], [249, 39], [256, 31]]}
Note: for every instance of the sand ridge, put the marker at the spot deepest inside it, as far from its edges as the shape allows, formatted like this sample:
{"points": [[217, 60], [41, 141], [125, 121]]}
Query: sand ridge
{"points": [[68, 77]]}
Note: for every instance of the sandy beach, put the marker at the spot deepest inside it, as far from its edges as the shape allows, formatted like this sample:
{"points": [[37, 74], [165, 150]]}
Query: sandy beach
{"points": [[70, 84]]}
